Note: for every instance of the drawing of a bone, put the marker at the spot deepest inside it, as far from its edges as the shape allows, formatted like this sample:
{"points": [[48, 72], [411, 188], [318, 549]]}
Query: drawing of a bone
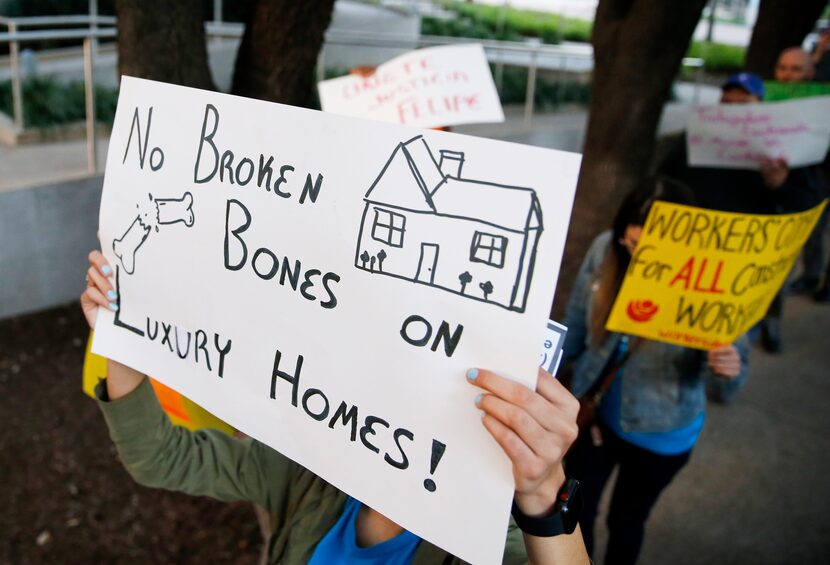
{"points": [[128, 244], [161, 211], [172, 210]]}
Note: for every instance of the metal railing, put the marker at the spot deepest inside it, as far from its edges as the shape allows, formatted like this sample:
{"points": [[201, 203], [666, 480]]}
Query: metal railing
{"points": [[537, 56], [89, 35]]}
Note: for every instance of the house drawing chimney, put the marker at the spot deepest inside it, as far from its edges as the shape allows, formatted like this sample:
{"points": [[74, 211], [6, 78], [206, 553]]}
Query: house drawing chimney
{"points": [[451, 163]]}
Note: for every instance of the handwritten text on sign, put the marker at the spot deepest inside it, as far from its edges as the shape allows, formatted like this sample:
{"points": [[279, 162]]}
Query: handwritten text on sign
{"points": [[702, 278], [438, 86], [323, 283], [740, 136]]}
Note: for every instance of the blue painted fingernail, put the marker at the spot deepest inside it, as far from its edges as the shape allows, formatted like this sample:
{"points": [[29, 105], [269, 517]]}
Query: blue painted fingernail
{"points": [[478, 399], [106, 269], [113, 306], [472, 374], [112, 295]]}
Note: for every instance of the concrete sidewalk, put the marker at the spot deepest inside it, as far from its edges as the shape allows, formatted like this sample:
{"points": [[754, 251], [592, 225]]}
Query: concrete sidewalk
{"points": [[757, 486]]}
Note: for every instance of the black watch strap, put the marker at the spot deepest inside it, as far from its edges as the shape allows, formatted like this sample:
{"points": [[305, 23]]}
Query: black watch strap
{"points": [[562, 520]]}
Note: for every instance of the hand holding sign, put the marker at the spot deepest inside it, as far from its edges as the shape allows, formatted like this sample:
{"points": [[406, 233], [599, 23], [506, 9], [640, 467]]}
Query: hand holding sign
{"points": [[535, 429], [724, 361], [317, 252], [701, 278], [774, 172]]}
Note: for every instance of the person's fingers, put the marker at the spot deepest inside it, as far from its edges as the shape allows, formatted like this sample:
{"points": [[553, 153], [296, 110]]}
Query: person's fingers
{"points": [[97, 259], [517, 450], [525, 426], [95, 297], [99, 281], [526, 400], [555, 392], [729, 367], [91, 300]]}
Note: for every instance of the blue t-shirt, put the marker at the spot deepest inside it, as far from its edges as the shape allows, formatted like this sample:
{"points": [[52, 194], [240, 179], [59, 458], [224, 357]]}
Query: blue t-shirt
{"points": [[673, 442], [339, 545]]}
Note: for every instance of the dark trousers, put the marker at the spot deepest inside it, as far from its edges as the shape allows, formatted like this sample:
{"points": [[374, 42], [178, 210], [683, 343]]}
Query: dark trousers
{"points": [[813, 254], [642, 477]]}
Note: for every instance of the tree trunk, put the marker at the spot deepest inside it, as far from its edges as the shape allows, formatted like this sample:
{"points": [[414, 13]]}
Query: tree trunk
{"points": [[780, 24], [278, 54], [638, 48], [163, 41]]}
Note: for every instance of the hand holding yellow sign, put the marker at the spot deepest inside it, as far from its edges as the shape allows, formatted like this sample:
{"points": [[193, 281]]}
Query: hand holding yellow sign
{"points": [[701, 278]]}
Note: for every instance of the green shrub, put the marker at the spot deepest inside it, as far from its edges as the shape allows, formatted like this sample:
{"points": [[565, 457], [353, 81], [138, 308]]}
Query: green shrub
{"points": [[549, 94], [49, 102], [718, 57], [482, 22]]}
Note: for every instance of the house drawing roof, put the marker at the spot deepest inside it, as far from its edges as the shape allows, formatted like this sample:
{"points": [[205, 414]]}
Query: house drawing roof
{"points": [[412, 180]]}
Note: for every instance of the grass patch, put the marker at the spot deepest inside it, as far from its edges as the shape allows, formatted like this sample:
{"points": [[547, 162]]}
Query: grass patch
{"points": [[49, 102]]}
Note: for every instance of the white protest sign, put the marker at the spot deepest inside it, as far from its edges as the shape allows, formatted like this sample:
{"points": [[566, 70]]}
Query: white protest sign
{"points": [[323, 284], [433, 87], [552, 347], [739, 136]]}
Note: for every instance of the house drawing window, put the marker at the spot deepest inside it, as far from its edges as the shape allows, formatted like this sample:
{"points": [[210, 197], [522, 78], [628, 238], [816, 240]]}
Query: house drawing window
{"points": [[389, 227], [488, 248]]}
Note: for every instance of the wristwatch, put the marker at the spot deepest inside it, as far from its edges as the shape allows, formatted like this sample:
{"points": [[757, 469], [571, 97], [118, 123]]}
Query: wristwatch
{"points": [[562, 520]]}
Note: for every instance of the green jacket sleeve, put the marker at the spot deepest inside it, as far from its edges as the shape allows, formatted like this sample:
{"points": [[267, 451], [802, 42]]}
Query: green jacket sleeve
{"points": [[206, 462]]}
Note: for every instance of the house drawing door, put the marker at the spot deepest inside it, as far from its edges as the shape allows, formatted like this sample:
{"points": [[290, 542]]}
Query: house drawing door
{"points": [[427, 263]]}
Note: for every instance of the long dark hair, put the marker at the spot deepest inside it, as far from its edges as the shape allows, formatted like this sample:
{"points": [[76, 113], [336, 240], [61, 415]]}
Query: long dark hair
{"points": [[632, 212]]}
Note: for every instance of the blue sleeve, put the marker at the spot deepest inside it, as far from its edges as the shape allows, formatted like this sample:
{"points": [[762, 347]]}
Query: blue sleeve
{"points": [[576, 314]]}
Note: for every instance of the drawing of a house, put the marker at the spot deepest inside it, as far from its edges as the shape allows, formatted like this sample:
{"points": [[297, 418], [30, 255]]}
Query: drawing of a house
{"points": [[425, 223]]}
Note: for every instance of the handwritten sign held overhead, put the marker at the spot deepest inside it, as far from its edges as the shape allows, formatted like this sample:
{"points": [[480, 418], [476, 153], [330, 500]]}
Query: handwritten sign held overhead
{"points": [[702, 278], [437, 86], [323, 283], [739, 136]]}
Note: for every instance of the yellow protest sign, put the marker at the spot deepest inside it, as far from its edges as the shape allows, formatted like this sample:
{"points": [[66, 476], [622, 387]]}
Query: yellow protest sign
{"points": [[181, 410], [701, 278]]}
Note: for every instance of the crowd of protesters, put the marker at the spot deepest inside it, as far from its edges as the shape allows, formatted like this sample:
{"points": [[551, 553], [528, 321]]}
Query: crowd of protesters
{"points": [[649, 397]]}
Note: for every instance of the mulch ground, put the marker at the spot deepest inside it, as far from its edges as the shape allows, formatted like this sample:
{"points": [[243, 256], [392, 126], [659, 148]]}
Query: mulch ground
{"points": [[64, 496]]}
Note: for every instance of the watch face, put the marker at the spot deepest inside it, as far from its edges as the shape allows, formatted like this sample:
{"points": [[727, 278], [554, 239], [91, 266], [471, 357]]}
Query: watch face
{"points": [[569, 505]]}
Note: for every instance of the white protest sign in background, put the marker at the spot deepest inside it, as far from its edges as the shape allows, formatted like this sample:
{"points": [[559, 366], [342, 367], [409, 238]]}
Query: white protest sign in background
{"points": [[433, 87], [323, 284], [739, 136]]}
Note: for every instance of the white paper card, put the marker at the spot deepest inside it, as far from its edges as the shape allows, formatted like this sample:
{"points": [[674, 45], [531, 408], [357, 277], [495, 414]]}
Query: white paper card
{"points": [[739, 136], [285, 268], [433, 87]]}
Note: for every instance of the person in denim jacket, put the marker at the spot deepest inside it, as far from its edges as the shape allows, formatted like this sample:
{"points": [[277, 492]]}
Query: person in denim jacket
{"points": [[652, 413]]}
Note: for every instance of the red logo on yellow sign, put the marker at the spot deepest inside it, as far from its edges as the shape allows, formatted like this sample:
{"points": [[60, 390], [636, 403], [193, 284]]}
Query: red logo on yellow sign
{"points": [[641, 310]]}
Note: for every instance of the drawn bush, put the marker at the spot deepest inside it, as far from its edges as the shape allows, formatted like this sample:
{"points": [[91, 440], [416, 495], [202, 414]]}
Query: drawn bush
{"points": [[381, 257], [364, 258], [372, 262], [465, 278], [487, 288]]}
